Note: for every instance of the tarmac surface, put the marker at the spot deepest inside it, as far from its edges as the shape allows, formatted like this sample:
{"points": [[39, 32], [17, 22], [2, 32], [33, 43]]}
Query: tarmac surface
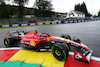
{"points": [[87, 32]]}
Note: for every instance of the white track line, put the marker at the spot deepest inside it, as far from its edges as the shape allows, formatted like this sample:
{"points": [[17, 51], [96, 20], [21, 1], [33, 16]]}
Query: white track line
{"points": [[10, 48], [95, 58]]}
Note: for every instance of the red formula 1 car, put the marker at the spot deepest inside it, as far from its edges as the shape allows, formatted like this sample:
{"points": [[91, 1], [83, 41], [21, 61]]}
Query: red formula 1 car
{"points": [[59, 46]]}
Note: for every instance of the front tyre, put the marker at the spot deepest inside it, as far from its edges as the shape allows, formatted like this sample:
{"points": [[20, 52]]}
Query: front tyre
{"points": [[60, 51], [66, 36]]}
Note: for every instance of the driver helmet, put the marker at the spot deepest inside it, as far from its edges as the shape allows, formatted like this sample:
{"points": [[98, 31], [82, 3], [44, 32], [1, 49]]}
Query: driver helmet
{"points": [[35, 31]]}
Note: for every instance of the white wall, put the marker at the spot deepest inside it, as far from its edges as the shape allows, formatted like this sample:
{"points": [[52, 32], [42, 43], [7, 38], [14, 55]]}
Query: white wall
{"points": [[75, 15]]}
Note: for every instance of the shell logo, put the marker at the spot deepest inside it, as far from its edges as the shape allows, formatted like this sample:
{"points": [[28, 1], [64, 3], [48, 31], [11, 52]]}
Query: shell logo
{"points": [[32, 43]]}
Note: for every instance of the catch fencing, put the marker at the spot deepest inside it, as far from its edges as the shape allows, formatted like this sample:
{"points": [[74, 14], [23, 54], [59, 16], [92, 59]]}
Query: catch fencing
{"points": [[14, 22]]}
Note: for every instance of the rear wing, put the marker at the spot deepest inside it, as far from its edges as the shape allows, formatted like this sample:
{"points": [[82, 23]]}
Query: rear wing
{"points": [[15, 33]]}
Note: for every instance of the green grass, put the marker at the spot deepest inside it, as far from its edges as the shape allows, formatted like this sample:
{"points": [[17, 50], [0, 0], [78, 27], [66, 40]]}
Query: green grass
{"points": [[17, 64], [25, 26]]}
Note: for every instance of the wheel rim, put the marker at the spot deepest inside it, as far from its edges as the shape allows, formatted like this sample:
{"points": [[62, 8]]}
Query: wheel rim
{"points": [[6, 39], [58, 53], [6, 42]]}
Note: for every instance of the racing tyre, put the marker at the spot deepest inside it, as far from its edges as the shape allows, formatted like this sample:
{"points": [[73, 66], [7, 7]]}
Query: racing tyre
{"points": [[66, 36], [60, 51], [11, 42], [76, 40]]}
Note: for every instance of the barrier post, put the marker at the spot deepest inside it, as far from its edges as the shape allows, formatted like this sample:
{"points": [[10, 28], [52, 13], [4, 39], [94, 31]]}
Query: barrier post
{"points": [[77, 21], [68, 21], [73, 21]]}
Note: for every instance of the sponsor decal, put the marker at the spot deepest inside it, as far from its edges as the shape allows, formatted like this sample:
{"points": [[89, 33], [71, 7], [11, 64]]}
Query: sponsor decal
{"points": [[78, 56], [5, 25], [22, 41], [52, 41], [23, 24], [32, 43], [32, 24], [13, 31], [26, 42], [15, 25], [40, 23]]}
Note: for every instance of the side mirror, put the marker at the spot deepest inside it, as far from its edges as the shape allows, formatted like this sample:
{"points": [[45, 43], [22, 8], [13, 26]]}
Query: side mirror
{"points": [[76, 40]]}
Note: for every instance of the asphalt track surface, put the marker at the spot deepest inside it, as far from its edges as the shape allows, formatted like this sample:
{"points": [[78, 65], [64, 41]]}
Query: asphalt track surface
{"points": [[87, 32]]}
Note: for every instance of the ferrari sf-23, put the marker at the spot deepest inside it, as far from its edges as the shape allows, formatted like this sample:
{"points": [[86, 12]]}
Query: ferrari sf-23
{"points": [[59, 46]]}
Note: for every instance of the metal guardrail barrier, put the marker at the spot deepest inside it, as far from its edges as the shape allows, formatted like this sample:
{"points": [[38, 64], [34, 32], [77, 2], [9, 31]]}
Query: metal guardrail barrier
{"points": [[44, 20], [48, 22], [27, 20]]}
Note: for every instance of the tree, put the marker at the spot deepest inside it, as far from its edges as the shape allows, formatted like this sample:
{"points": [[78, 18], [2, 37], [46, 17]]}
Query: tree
{"points": [[85, 9], [43, 8], [77, 7], [21, 9], [1, 1], [14, 10], [4, 11], [32, 12], [82, 7], [99, 14], [89, 14]]}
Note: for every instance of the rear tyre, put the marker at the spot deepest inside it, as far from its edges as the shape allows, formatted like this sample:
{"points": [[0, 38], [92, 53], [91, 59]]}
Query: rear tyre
{"points": [[11, 42], [60, 51]]}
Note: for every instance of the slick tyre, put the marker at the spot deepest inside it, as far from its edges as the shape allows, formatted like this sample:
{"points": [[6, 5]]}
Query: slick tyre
{"points": [[66, 36], [10, 42], [60, 51]]}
